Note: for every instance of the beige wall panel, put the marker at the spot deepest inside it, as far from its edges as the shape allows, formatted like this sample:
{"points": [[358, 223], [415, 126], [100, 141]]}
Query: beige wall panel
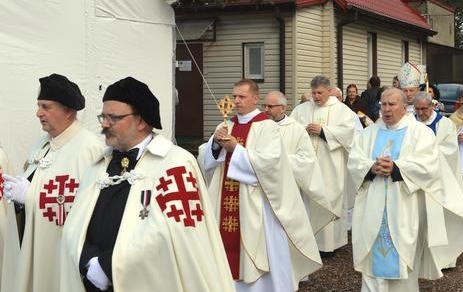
{"points": [[309, 44], [389, 43], [222, 59]]}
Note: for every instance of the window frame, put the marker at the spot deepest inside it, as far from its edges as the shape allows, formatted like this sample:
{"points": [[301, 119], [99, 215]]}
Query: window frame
{"points": [[259, 78]]}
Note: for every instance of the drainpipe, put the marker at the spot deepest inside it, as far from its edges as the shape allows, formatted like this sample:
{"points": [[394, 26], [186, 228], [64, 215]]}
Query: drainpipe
{"points": [[339, 36], [281, 22]]}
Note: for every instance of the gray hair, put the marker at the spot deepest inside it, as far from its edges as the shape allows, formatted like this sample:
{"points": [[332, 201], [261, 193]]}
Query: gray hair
{"points": [[392, 90], [320, 81], [281, 97], [420, 95]]}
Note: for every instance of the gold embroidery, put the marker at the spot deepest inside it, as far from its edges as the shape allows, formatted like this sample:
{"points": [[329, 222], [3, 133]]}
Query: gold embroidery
{"points": [[230, 224], [231, 185], [231, 203]]}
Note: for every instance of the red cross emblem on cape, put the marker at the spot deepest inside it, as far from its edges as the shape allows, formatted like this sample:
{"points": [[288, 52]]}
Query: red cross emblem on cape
{"points": [[57, 192], [230, 206], [1, 184], [179, 197]]}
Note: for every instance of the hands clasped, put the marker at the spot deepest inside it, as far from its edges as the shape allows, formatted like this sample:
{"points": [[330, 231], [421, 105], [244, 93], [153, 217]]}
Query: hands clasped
{"points": [[382, 166], [229, 144], [314, 129]]}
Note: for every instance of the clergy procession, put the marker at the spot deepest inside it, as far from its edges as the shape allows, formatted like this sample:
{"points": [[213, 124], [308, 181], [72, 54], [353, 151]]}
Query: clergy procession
{"points": [[271, 195]]}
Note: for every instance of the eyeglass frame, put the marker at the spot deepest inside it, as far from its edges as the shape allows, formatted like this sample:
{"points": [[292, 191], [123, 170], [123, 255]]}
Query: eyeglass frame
{"points": [[112, 119], [270, 106]]}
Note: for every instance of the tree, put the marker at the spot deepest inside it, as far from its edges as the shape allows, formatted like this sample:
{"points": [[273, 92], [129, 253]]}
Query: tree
{"points": [[458, 6]]}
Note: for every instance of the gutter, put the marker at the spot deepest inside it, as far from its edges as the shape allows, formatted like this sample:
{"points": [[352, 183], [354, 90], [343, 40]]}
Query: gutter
{"points": [[339, 37], [282, 49]]}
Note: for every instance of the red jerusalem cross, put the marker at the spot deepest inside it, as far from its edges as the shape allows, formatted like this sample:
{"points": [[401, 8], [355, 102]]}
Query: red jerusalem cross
{"points": [[61, 185], [180, 194]]}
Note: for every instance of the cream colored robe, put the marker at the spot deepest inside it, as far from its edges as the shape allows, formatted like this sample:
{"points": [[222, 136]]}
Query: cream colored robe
{"points": [[338, 126], [307, 172], [5, 167], [411, 203], [38, 265], [277, 185], [156, 253], [449, 154]]}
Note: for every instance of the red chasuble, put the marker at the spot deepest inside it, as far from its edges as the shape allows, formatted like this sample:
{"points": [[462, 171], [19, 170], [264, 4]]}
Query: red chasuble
{"points": [[230, 207]]}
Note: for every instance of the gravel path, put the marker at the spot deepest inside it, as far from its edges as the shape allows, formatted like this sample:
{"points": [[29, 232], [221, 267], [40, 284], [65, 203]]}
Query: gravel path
{"points": [[338, 275]]}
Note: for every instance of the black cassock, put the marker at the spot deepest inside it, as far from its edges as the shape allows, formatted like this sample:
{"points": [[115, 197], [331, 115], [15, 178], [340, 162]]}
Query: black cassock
{"points": [[106, 219]]}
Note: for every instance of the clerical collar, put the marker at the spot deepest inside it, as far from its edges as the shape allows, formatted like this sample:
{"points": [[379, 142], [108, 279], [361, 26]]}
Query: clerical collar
{"points": [[244, 119], [142, 145], [430, 120]]}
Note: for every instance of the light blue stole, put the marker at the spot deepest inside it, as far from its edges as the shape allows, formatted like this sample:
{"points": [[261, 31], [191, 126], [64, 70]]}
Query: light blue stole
{"points": [[385, 259]]}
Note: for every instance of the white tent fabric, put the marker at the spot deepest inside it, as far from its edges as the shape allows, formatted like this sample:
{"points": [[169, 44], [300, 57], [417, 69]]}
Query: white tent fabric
{"points": [[92, 42]]}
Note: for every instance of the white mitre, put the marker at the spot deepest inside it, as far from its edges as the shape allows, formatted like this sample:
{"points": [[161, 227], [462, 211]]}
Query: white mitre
{"points": [[409, 76]]}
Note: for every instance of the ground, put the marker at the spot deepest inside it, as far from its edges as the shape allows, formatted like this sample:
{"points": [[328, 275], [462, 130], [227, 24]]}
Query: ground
{"points": [[338, 275]]}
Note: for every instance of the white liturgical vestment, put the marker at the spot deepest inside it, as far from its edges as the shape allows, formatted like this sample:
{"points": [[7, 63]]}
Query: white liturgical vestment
{"points": [[338, 126], [307, 172], [277, 245], [424, 222]]}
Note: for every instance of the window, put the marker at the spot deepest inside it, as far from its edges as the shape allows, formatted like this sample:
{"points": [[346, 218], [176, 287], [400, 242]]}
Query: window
{"points": [[405, 56], [372, 53], [253, 61]]}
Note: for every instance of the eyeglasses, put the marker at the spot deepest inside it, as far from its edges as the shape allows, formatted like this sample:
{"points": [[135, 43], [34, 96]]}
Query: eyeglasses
{"points": [[270, 106], [112, 119]]}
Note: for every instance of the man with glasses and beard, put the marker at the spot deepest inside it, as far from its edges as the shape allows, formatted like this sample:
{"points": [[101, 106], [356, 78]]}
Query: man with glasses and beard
{"points": [[142, 221]]}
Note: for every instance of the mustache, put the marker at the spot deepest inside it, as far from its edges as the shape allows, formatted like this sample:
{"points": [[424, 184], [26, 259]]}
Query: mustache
{"points": [[107, 132]]}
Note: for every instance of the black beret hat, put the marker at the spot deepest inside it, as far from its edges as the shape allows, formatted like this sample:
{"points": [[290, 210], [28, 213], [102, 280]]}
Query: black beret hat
{"points": [[131, 91], [58, 88]]}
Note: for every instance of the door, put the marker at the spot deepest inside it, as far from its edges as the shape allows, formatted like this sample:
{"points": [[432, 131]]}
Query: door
{"points": [[189, 84]]}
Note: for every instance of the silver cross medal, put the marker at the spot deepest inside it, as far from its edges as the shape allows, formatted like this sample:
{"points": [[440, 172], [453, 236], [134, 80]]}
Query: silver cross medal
{"points": [[143, 213]]}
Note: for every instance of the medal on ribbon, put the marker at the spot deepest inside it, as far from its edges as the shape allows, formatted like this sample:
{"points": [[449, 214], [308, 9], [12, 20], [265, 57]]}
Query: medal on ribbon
{"points": [[145, 201]]}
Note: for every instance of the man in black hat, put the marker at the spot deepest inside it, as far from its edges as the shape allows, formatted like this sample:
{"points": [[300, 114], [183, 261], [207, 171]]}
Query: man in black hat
{"points": [[142, 221], [47, 188]]}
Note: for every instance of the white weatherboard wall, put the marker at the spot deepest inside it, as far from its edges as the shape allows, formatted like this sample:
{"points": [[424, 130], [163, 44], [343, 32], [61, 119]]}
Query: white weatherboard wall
{"points": [[94, 43]]}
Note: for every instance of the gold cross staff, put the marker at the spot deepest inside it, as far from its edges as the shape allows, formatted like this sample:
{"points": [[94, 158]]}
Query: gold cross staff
{"points": [[225, 106]]}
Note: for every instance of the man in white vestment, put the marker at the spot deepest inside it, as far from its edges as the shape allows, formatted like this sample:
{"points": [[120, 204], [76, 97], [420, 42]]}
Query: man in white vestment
{"points": [[47, 188], [447, 142], [399, 230], [331, 126], [409, 78], [142, 221], [265, 229], [304, 164]]}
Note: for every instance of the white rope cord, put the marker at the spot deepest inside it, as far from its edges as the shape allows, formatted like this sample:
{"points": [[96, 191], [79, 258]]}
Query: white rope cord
{"points": [[197, 66]]}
